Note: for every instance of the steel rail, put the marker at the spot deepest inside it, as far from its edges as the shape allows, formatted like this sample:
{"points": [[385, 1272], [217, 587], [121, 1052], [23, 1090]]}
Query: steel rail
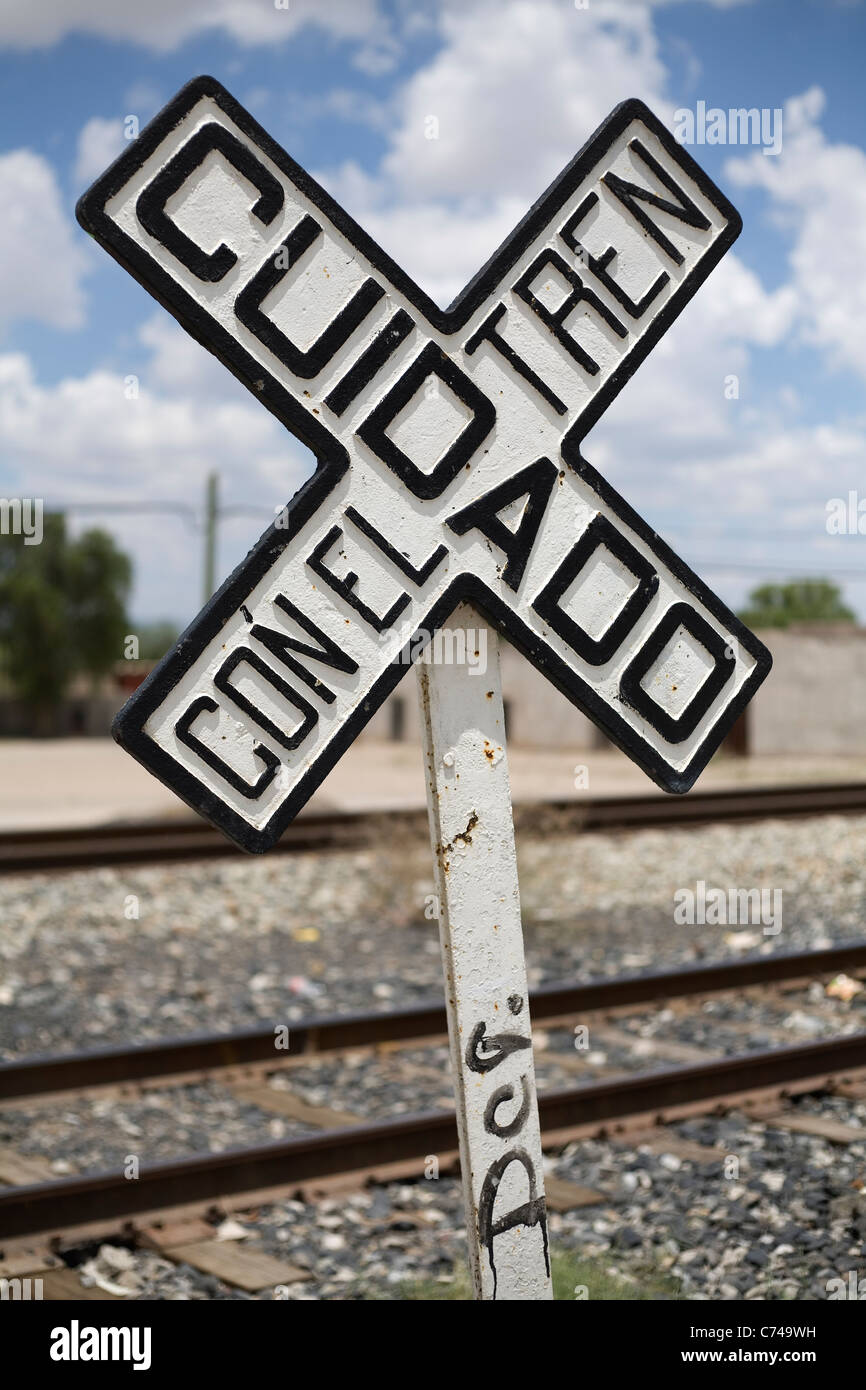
{"points": [[206, 1180], [160, 841], [212, 1053]]}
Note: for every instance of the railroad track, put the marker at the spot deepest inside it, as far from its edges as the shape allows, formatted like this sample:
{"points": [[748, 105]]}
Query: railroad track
{"points": [[96, 1203], [235, 1055], [99, 1202], [162, 841]]}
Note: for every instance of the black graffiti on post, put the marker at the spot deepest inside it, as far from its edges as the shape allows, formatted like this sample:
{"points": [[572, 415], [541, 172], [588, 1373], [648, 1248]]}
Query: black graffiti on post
{"points": [[533, 1212], [507, 1131], [502, 1045]]}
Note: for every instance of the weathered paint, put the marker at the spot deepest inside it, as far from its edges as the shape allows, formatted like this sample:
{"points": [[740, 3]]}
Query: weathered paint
{"points": [[449, 456], [471, 828]]}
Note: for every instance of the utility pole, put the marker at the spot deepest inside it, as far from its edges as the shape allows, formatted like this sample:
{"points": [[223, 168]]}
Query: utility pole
{"points": [[210, 523]]}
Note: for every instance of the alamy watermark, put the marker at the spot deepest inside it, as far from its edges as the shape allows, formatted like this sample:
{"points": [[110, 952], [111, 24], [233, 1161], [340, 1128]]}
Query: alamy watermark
{"points": [[736, 126], [77, 1343], [702, 906], [849, 1287], [846, 516], [21, 1290], [448, 646], [22, 516]]}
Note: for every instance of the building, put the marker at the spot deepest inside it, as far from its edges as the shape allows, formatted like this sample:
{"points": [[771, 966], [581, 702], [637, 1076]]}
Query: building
{"points": [[811, 703]]}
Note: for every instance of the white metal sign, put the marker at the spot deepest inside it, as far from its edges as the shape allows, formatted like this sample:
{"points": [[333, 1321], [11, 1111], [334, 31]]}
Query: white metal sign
{"points": [[449, 475], [448, 447]]}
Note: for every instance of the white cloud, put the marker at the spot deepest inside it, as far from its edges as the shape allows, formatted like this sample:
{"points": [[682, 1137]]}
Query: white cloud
{"points": [[517, 88], [90, 421], [441, 247], [714, 4], [41, 266], [178, 365], [164, 24], [676, 403], [99, 143], [85, 440], [142, 98], [817, 193]]}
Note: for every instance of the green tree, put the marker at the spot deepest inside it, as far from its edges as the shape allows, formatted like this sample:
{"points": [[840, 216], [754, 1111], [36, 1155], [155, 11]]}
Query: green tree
{"points": [[799, 601], [35, 647], [62, 610], [99, 579]]}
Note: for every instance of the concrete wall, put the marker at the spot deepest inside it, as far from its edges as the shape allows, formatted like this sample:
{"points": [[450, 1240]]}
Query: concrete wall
{"points": [[814, 699], [537, 716]]}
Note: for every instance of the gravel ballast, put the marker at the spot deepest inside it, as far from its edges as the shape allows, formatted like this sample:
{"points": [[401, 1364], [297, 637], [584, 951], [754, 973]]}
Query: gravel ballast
{"points": [[232, 943], [120, 956]]}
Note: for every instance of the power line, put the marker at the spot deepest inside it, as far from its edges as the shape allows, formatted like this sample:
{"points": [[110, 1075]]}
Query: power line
{"points": [[213, 511], [181, 509], [775, 567]]}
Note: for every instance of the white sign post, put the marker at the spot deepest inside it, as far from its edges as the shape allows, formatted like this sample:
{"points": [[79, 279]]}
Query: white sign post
{"points": [[449, 473], [472, 833]]}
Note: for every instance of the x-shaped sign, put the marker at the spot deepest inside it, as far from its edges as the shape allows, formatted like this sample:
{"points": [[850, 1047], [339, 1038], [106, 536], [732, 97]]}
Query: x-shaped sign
{"points": [[448, 448]]}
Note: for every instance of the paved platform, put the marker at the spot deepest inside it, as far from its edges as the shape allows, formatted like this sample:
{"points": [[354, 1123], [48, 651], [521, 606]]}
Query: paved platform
{"points": [[90, 781]]}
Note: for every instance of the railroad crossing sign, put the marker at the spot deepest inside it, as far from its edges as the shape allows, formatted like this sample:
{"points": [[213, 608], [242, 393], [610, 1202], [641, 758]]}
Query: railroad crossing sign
{"points": [[449, 483], [448, 448]]}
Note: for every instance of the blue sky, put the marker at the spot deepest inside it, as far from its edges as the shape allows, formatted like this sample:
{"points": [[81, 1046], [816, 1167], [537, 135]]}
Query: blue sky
{"points": [[740, 486]]}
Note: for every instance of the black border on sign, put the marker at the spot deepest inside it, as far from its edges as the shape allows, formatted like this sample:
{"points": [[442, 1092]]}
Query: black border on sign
{"points": [[676, 728], [333, 460]]}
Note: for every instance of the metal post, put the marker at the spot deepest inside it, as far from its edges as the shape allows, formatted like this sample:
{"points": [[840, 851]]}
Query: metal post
{"points": [[211, 502], [472, 833]]}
